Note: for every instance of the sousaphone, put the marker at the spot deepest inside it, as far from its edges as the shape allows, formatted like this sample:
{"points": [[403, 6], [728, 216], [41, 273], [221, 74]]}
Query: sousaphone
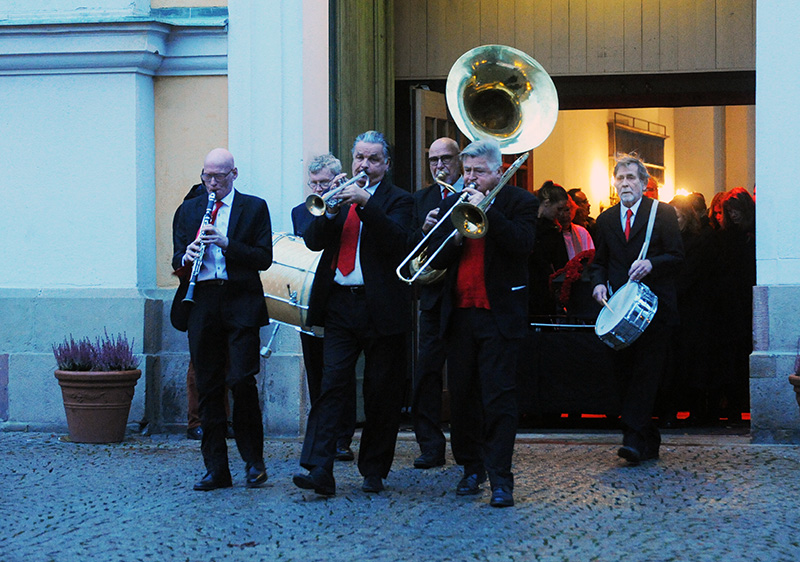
{"points": [[498, 92]]}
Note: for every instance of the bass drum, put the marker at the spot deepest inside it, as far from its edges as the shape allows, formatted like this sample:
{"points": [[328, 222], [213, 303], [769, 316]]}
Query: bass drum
{"points": [[287, 283], [628, 313]]}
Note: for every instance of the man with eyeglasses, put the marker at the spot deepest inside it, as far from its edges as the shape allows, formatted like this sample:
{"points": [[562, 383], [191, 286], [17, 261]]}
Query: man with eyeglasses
{"points": [[228, 311], [324, 172], [484, 320], [426, 402]]}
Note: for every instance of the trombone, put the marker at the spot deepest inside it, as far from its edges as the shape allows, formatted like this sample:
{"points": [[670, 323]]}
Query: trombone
{"points": [[316, 204], [418, 258], [468, 219]]}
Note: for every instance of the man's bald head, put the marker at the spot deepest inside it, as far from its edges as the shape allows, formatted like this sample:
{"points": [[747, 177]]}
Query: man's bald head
{"points": [[443, 157], [219, 172]]}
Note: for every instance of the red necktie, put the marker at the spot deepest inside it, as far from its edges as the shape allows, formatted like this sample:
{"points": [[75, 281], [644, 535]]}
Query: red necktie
{"points": [[444, 193], [628, 216], [349, 242]]}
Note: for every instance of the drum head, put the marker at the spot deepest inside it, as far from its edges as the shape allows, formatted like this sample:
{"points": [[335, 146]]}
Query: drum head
{"points": [[618, 305]]}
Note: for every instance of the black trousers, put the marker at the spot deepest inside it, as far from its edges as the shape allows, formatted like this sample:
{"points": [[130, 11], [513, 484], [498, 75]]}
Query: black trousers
{"points": [[348, 332], [640, 368], [426, 402], [482, 367], [217, 338], [313, 360]]}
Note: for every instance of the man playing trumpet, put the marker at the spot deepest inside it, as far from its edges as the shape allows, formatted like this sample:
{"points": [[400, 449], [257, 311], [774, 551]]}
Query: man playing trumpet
{"points": [[484, 318], [357, 297]]}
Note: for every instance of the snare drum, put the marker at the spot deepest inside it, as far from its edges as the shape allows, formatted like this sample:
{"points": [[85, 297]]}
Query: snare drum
{"points": [[628, 313], [287, 282]]}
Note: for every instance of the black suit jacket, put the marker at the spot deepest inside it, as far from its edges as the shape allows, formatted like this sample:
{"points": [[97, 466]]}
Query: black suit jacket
{"points": [[301, 218], [425, 201], [614, 255], [509, 241], [385, 220], [249, 251]]}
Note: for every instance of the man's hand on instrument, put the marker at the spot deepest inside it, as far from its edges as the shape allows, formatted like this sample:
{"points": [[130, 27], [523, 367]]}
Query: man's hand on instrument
{"points": [[430, 221], [475, 196], [336, 181], [600, 293], [352, 194], [640, 269], [192, 251], [210, 234]]}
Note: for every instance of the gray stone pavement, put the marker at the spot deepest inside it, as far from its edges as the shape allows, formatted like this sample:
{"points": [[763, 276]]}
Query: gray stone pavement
{"points": [[707, 498]]}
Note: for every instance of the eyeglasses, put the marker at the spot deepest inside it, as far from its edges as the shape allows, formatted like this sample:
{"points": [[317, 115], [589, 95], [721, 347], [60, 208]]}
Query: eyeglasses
{"points": [[219, 177], [446, 159], [322, 184]]}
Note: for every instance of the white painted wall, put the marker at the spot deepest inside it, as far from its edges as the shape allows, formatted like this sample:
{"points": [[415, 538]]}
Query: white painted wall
{"points": [[777, 142], [79, 158], [278, 97]]}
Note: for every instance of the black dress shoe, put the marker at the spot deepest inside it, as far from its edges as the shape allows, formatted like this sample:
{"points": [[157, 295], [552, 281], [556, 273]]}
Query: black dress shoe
{"points": [[256, 476], [318, 480], [470, 485], [372, 484], [630, 454], [213, 481], [502, 497], [429, 460], [344, 453], [195, 433]]}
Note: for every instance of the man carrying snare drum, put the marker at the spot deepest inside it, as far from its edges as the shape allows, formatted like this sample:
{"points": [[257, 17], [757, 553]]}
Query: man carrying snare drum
{"points": [[620, 235]]}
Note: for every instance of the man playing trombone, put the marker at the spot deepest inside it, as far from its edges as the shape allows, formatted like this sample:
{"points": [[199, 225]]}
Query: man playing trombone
{"points": [[484, 318], [426, 405], [364, 307]]}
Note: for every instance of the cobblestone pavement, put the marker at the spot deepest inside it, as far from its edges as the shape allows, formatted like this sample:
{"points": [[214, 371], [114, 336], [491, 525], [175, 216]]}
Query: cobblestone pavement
{"points": [[708, 498]]}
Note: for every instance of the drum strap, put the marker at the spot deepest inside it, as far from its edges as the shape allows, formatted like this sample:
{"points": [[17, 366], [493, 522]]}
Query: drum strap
{"points": [[650, 222]]}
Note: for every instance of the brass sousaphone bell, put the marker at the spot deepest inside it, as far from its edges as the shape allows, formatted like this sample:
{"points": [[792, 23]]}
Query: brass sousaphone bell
{"points": [[498, 92]]}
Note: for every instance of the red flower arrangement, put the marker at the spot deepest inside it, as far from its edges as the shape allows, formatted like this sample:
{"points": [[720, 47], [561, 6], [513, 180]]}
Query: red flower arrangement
{"points": [[572, 272]]}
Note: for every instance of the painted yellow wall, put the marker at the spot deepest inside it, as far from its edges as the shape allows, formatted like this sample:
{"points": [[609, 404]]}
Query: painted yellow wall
{"points": [[740, 146], [576, 152], [191, 118], [694, 159], [187, 3]]}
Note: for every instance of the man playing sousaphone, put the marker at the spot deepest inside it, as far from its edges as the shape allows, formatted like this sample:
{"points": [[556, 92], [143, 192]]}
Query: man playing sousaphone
{"points": [[426, 404], [620, 235]]}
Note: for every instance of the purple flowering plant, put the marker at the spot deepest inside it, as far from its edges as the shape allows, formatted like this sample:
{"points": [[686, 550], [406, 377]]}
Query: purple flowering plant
{"points": [[106, 353]]}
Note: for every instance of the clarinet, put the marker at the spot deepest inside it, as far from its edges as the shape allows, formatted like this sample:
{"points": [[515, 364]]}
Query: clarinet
{"points": [[198, 263]]}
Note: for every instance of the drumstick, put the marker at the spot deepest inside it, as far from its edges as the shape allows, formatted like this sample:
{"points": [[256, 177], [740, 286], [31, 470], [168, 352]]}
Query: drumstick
{"points": [[605, 304]]}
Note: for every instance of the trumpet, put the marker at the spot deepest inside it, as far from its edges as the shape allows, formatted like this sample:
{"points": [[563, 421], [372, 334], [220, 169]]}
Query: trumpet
{"points": [[198, 263], [316, 204]]}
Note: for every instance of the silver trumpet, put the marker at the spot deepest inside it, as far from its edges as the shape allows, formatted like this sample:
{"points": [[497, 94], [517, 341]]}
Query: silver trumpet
{"points": [[317, 204], [197, 264]]}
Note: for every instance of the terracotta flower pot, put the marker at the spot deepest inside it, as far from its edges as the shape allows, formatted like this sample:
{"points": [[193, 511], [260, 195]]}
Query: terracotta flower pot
{"points": [[795, 381], [97, 404]]}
